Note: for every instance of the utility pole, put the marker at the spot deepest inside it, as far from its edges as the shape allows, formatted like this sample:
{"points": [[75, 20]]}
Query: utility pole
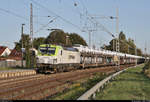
{"points": [[114, 45], [89, 38], [145, 52], [31, 36], [117, 40], [31, 24], [22, 42], [135, 54], [128, 49], [89, 31], [67, 40]]}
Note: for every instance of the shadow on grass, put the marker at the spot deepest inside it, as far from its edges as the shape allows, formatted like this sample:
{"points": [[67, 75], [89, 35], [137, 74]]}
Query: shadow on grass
{"points": [[133, 80], [137, 73], [136, 79]]}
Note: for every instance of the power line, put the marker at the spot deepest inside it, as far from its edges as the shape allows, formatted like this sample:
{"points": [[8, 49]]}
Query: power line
{"points": [[76, 11], [40, 16], [22, 17], [84, 6], [86, 11], [95, 23], [56, 14], [80, 14], [106, 30], [17, 15], [14, 14], [102, 27], [45, 25]]}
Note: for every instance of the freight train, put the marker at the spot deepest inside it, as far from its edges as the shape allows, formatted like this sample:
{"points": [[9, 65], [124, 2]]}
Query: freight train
{"points": [[56, 58]]}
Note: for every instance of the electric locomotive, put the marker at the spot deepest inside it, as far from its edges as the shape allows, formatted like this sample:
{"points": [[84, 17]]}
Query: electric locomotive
{"points": [[54, 58]]}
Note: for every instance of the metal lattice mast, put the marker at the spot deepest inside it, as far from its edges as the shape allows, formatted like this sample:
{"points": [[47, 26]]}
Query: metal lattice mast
{"points": [[31, 36], [145, 51], [117, 40], [135, 55], [114, 45], [89, 38], [22, 42], [31, 24]]}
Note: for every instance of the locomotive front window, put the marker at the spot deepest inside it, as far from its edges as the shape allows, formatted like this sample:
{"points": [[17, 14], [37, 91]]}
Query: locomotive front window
{"points": [[51, 50], [48, 50], [43, 50]]}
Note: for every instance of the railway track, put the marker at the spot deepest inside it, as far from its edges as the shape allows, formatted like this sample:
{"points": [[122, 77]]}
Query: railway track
{"points": [[41, 86]]}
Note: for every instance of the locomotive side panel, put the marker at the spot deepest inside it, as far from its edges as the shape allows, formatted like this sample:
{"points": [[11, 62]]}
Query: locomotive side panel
{"points": [[70, 57]]}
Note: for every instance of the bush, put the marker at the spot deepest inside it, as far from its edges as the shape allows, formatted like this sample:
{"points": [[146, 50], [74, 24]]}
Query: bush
{"points": [[146, 69], [92, 81]]}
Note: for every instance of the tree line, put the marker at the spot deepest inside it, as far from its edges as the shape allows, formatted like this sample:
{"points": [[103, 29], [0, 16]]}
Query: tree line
{"points": [[59, 37], [125, 45]]}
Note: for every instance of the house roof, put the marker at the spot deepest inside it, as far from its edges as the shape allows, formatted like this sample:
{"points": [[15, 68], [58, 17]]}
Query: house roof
{"points": [[2, 49], [2, 59], [15, 54]]}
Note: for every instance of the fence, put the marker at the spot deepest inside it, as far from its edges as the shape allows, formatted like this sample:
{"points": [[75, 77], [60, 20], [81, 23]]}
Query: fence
{"points": [[6, 63]]}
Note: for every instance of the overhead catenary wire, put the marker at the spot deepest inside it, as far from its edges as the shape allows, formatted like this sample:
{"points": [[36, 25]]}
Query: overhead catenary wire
{"points": [[77, 11], [83, 17], [45, 25], [102, 27], [14, 14], [24, 18], [17, 15], [76, 5], [65, 20], [86, 10], [97, 24], [87, 18], [41, 16], [106, 30]]}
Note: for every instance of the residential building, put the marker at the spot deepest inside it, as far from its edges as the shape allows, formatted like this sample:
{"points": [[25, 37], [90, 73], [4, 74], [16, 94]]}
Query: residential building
{"points": [[4, 51]]}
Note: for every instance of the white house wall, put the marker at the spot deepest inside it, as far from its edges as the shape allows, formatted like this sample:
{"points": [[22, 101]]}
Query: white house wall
{"points": [[6, 52]]}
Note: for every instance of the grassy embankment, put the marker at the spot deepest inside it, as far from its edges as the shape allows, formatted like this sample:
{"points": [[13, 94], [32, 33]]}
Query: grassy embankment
{"points": [[79, 87], [132, 84], [11, 68], [3, 69], [146, 69]]}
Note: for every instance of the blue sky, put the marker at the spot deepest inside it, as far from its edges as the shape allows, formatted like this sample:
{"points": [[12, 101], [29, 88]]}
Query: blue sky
{"points": [[133, 19]]}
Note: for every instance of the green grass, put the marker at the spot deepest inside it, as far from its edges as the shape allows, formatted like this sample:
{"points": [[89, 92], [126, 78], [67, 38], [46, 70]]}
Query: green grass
{"points": [[2, 69], [78, 88], [130, 85], [146, 69], [71, 94], [11, 68]]}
